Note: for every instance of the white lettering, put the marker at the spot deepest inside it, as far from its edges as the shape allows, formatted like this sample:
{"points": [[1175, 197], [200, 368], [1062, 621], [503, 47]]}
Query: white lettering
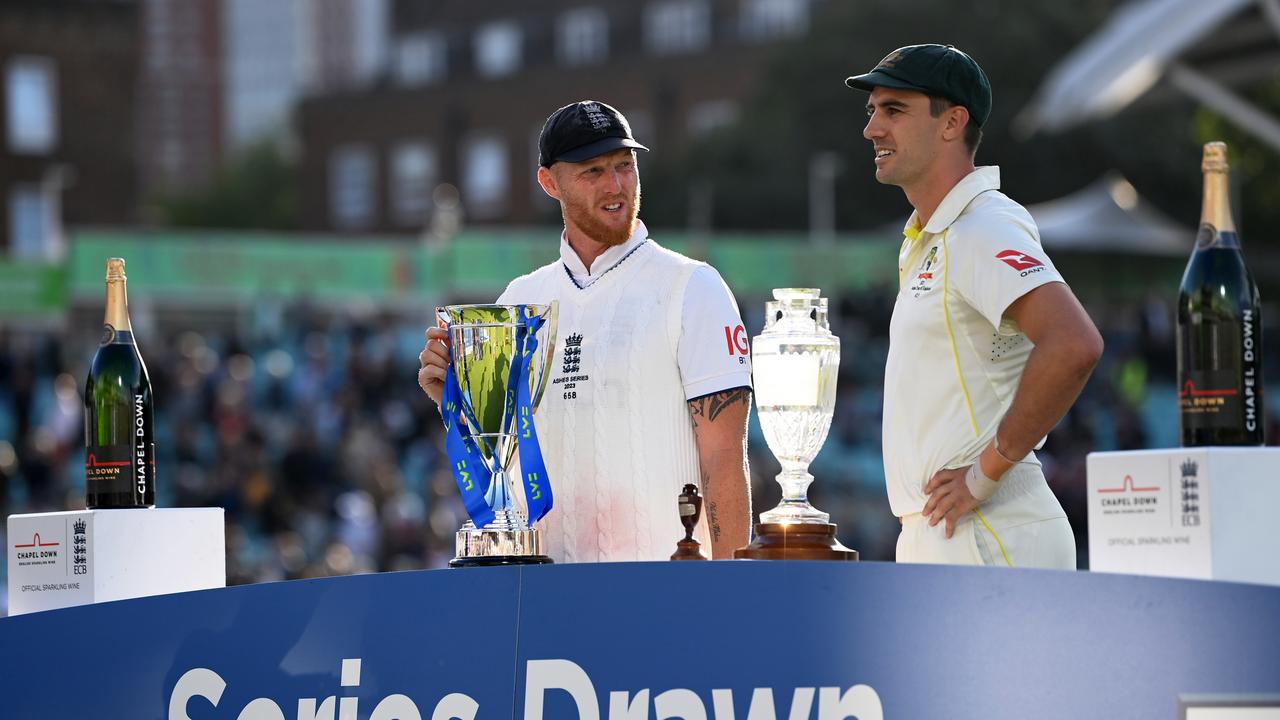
{"points": [[196, 682], [205, 683], [543, 675], [261, 709], [638, 709], [860, 702], [351, 672], [454, 706], [307, 709], [396, 707], [762, 705], [679, 703]]}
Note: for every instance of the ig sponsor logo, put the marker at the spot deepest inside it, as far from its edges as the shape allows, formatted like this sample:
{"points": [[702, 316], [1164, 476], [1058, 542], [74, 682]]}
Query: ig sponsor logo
{"points": [[736, 339]]}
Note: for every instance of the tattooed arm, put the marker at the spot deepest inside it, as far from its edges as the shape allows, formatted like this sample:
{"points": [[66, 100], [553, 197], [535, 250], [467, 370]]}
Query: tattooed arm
{"points": [[720, 429]]}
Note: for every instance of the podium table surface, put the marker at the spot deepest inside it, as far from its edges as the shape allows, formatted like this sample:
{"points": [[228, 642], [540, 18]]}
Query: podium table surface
{"points": [[655, 640]]}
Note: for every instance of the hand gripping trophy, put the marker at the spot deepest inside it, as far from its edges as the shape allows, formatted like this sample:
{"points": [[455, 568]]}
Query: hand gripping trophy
{"points": [[500, 354], [795, 360]]}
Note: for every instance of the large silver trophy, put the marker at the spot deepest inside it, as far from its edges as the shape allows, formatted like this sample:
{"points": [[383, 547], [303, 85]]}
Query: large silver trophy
{"points": [[795, 362], [495, 350]]}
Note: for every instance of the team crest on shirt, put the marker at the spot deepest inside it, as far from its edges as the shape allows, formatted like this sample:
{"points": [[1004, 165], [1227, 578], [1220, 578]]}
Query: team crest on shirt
{"points": [[926, 276], [570, 368]]}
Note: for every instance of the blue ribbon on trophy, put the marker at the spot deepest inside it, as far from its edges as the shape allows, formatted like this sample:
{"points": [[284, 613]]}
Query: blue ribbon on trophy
{"points": [[473, 475], [537, 486]]}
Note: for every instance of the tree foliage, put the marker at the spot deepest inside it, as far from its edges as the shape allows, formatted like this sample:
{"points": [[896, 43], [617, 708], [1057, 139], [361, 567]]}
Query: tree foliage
{"points": [[257, 190], [1255, 166], [758, 168]]}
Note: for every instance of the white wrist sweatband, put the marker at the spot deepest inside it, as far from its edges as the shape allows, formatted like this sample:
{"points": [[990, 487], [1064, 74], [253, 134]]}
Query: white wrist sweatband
{"points": [[980, 486]]}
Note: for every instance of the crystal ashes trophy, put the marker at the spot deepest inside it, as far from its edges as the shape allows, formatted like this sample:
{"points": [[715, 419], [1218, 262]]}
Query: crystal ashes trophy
{"points": [[500, 355], [795, 361]]}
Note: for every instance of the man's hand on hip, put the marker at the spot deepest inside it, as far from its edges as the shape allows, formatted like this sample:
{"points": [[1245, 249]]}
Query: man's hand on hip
{"points": [[949, 498]]}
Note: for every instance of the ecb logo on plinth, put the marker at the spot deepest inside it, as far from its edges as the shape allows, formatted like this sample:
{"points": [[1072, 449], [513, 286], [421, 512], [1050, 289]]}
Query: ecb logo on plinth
{"points": [[500, 356]]}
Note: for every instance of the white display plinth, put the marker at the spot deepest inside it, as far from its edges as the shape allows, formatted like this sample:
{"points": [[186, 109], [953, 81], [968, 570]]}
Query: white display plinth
{"points": [[1186, 512], [76, 558]]}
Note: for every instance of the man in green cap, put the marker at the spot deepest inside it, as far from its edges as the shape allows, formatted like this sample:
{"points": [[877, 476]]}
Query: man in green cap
{"points": [[988, 347]]}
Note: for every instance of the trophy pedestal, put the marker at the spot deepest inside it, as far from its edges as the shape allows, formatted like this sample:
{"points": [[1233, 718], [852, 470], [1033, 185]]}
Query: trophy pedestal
{"points": [[689, 550], [795, 541], [496, 560], [498, 546]]}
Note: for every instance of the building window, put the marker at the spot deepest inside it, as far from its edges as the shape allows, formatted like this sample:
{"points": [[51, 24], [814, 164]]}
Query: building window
{"points": [[642, 128], [672, 27], [485, 177], [413, 175], [352, 189], [29, 221], [31, 100], [711, 115], [421, 58], [497, 48], [773, 19], [582, 36]]}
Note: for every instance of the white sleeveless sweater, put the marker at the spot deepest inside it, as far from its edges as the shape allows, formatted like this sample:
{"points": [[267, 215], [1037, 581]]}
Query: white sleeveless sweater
{"points": [[614, 423]]}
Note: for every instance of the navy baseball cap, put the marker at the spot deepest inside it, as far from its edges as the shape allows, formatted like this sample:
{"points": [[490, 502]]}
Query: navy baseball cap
{"points": [[940, 70], [583, 130]]}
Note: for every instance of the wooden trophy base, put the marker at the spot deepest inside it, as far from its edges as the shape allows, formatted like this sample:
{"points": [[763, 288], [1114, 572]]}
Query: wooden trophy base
{"points": [[689, 549], [795, 541]]}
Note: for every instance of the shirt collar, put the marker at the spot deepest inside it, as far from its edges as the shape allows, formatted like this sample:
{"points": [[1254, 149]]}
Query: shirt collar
{"points": [[970, 186], [602, 264]]}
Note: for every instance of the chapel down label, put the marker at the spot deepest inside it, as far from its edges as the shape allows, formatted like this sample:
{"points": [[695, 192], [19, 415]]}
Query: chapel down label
{"points": [[1219, 340], [120, 461]]}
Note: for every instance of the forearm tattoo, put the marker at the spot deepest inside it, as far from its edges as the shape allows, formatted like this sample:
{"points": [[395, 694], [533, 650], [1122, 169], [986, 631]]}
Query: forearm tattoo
{"points": [[713, 517], [704, 411], [709, 407]]}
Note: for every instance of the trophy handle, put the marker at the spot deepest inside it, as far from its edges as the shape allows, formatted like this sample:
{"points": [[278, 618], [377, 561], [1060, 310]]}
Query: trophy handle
{"points": [[552, 314]]}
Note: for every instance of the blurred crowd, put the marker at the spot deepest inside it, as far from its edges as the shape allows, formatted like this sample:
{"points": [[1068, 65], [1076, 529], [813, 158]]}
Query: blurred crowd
{"points": [[308, 427]]}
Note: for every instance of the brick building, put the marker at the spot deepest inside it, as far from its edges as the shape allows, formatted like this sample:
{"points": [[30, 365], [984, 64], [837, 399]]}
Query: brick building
{"points": [[468, 86], [70, 72]]}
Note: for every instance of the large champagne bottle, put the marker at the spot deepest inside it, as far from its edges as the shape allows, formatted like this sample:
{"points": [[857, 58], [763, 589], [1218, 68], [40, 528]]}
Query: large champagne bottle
{"points": [[120, 462], [1219, 327]]}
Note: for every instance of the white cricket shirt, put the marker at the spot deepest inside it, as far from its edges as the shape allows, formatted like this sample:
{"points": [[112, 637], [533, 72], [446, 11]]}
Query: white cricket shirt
{"points": [[638, 336], [954, 361]]}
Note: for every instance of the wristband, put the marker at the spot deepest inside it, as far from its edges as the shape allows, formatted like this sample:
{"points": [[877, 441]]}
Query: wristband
{"points": [[980, 486]]}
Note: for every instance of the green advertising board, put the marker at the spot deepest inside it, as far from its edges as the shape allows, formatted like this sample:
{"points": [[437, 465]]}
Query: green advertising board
{"points": [[212, 268], [32, 291]]}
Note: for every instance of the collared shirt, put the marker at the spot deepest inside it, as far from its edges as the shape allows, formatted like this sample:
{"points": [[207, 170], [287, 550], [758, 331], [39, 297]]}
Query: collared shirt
{"points": [[584, 276], [954, 360], [654, 330]]}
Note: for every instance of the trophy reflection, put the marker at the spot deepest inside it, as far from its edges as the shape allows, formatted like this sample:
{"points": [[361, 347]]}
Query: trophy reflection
{"points": [[795, 361], [500, 356]]}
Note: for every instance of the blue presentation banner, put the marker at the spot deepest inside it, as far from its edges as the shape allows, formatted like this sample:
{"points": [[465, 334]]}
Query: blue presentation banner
{"points": [[698, 641]]}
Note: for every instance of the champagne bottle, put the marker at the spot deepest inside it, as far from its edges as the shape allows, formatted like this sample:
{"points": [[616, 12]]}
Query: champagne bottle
{"points": [[119, 453], [1219, 327]]}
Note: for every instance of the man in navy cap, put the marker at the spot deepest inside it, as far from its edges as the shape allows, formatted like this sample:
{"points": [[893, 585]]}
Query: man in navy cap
{"points": [[988, 347], [651, 381]]}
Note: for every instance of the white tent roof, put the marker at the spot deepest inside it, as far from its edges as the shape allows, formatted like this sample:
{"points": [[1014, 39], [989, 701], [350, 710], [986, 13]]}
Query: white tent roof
{"points": [[1200, 46], [1109, 216]]}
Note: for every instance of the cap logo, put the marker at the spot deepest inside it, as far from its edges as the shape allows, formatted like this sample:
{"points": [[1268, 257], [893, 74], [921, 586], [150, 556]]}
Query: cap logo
{"points": [[890, 60], [596, 116]]}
